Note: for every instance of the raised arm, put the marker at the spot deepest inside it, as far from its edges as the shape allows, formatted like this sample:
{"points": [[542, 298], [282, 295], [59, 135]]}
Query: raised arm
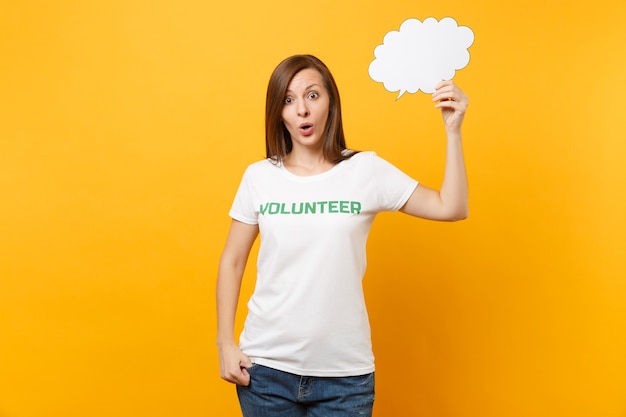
{"points": [[450, 203], [233, 362]]}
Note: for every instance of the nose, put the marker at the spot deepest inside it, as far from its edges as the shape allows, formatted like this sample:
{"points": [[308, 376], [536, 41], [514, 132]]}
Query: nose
{"points": [[303, 108]]}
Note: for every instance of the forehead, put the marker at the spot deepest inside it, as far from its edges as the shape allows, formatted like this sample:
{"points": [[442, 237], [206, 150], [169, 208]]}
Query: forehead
{"points": [[306, 78]]}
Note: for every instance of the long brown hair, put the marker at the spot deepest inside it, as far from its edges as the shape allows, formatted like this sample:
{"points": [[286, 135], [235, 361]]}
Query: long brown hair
{"points": [[278, 141]]}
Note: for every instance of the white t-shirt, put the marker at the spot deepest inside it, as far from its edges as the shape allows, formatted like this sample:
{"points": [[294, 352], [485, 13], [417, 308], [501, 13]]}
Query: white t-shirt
{"points": [[307, 314]]}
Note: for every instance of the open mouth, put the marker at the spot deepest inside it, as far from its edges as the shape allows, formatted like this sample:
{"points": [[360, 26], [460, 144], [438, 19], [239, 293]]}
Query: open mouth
{"points": [[306, 128]]}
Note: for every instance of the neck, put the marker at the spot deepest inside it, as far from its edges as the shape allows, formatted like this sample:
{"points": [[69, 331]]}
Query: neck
{"points": [[305, 163]]}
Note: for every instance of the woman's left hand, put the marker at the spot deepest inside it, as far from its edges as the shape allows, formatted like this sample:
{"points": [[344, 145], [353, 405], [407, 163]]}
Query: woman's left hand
{"points": [[453, 104]]}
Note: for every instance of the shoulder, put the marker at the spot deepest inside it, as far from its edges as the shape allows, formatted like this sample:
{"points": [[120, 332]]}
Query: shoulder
{"points": [[263, 164], [367, 158], [361, 156], [262, 167]]}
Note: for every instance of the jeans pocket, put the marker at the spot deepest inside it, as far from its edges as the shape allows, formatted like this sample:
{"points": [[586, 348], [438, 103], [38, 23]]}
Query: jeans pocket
{"points": [[250, 370], [252, 367]]}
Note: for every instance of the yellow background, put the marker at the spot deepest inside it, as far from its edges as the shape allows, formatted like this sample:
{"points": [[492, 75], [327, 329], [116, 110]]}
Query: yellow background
{"points": [[125, 126]]}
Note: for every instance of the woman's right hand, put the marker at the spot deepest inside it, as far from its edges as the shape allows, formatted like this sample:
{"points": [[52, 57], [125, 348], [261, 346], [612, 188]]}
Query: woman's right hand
{"points": [[233, 364]]}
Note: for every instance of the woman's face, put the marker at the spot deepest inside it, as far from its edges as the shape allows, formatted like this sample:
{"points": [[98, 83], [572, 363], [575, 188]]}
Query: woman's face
{"points": [[305, 109]]}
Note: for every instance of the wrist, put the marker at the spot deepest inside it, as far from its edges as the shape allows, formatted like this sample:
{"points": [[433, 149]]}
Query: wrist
{"points": [[454, 135], [225, 342]]}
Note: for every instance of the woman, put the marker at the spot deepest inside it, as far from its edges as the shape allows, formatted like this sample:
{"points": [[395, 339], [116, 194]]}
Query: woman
{"points": [[305, 349]]}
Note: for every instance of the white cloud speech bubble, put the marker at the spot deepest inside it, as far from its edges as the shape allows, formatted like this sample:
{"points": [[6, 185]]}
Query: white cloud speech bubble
{"points": [[420, 55]]}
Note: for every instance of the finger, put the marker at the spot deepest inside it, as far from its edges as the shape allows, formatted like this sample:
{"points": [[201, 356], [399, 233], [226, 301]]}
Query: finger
{"points": [[448, 104], [234, 375], [445, 95], [242, 377], [444, 83], [246, 362], [244, 380], [456, 102]]}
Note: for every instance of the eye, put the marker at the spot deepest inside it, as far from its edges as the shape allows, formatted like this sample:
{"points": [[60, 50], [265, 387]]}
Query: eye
{"points": [[313, 95], [288, 100]]}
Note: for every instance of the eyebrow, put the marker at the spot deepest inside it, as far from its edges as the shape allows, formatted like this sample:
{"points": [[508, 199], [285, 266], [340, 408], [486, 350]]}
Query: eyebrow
{"points": [[307, 88]]}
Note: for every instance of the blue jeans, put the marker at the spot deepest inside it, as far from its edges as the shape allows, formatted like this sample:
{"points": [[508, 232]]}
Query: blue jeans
{"points": [[274, 393]]}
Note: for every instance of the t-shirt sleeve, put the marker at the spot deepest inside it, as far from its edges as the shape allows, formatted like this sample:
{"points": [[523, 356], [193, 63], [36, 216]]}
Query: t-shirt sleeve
{"points": [[393, 187], [242, 208]]}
